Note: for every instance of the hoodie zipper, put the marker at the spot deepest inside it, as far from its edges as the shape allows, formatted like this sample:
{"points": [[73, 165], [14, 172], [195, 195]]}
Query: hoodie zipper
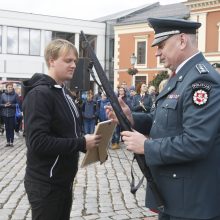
{"points": [[76, 112], [74, 108], [51, 170]]}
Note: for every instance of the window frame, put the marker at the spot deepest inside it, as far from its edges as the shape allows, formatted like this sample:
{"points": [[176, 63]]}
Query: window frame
{"points": [[17, 40], [1, 30], [142, 38], [140, 74], [29, 43]]}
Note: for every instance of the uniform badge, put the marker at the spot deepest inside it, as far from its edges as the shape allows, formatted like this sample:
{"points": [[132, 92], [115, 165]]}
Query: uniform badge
{"points": [[200, 93], [202, 68], [173, 96]]}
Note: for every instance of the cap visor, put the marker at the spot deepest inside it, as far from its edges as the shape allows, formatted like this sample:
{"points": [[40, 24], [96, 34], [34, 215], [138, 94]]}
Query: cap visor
{"points": [[159, 40]]}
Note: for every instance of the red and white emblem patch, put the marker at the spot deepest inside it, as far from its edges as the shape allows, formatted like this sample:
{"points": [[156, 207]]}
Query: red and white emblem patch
{"points": [[200, 97]]}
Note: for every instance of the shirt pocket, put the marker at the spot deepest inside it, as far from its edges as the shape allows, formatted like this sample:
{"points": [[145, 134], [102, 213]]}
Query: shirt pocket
{"points": [[169, 113]]}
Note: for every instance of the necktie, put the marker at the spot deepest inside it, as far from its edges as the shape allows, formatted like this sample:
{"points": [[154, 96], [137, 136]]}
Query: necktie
{"points": [[173, 74]]}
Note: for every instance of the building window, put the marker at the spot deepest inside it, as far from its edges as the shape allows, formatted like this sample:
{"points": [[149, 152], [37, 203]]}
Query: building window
{"points": [[139, 79], [34, 42], [141, 52], [51, 35], [48, 37], [23, 41], [0, 39], [12, 40]]}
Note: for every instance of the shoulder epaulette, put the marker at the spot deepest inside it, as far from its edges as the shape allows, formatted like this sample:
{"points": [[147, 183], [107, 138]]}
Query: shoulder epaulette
{"points": [[202, 68]]}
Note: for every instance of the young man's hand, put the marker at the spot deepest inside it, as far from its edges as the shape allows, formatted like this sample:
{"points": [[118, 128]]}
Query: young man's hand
{"points": [[92, 141]]}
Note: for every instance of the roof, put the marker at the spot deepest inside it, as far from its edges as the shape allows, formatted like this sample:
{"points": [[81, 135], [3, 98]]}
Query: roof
{"points": [[178, 10], [125, 13], [140, 14]]}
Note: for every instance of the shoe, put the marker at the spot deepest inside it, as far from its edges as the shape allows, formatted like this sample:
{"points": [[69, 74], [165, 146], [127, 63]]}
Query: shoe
{"points": [[115, 146], [2, 131], [7, 145], [11, 145]]}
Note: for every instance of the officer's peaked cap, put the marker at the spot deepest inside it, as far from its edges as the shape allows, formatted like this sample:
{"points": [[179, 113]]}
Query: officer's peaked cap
{"points": [[166, 27]]}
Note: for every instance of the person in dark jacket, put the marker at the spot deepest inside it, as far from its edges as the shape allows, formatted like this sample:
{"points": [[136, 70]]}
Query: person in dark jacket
{"points": [[53, 135], [1, 118], [18, 121], [8, 102], [116, 135], [142, 102], [101, 107], [89, 114], [132, 93]]}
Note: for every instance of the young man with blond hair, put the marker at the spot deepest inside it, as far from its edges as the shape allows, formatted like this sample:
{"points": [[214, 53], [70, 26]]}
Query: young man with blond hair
{"points": [[53, 135]]}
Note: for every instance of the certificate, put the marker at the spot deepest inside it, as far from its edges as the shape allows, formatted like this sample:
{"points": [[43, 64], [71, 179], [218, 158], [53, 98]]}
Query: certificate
{"points": [[105, 129]]}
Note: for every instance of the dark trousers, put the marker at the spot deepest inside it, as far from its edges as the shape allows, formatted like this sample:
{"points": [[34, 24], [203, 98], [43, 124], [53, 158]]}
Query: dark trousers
{"points": [[1, 124], [163, 216], [89, 126], [48, 202], [18, 124], [116, 135], [9, 128]]}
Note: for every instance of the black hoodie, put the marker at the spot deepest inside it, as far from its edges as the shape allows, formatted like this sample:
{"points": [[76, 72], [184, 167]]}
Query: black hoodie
{"points": [[53, 132]]}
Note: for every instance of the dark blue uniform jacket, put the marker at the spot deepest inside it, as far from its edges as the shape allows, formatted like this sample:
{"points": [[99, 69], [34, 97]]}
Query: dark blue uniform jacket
{"points": [[184, 150]]}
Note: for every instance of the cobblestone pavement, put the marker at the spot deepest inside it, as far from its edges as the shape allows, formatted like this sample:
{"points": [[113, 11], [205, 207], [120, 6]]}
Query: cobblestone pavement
{"points": [[100, 191]]}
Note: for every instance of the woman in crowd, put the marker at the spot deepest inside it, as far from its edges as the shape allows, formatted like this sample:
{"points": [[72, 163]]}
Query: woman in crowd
{"points": [[142, 102], [8, 102]]}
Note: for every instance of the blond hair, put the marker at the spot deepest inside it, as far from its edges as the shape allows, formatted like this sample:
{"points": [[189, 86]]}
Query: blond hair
{"points": [[56, 47]]}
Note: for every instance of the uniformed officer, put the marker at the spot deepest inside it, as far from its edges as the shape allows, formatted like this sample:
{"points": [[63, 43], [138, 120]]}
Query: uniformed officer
{"points": [[183, 150]]}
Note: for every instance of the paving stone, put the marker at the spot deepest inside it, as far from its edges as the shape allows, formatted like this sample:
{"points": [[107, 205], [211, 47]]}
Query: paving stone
{"points": [[99, 191]]}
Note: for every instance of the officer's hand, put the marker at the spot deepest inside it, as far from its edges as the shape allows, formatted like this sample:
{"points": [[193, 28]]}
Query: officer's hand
{"points": [[92, 141], [134, 141], [111, 114]]}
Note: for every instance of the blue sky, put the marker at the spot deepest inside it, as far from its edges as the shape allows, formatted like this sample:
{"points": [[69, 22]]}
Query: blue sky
{"points": [[80, 9]]}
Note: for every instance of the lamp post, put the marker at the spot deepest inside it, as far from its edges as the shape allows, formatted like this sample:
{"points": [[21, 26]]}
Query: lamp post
{"points": [[133, 59], [132, 70]]}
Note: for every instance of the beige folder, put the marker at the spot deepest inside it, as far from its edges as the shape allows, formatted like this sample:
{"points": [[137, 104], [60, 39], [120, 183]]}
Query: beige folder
{"points": [[105, 129]]}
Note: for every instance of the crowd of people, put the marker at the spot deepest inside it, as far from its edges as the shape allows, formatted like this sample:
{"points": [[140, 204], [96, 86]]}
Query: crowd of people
{"points": [[10, 104], [92, 107]]}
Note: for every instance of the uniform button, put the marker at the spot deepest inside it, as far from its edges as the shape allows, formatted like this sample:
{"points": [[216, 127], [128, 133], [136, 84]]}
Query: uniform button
{"points": [[166, 105], [180, 77], [168, 89], [174, 175], [154, 122]]}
